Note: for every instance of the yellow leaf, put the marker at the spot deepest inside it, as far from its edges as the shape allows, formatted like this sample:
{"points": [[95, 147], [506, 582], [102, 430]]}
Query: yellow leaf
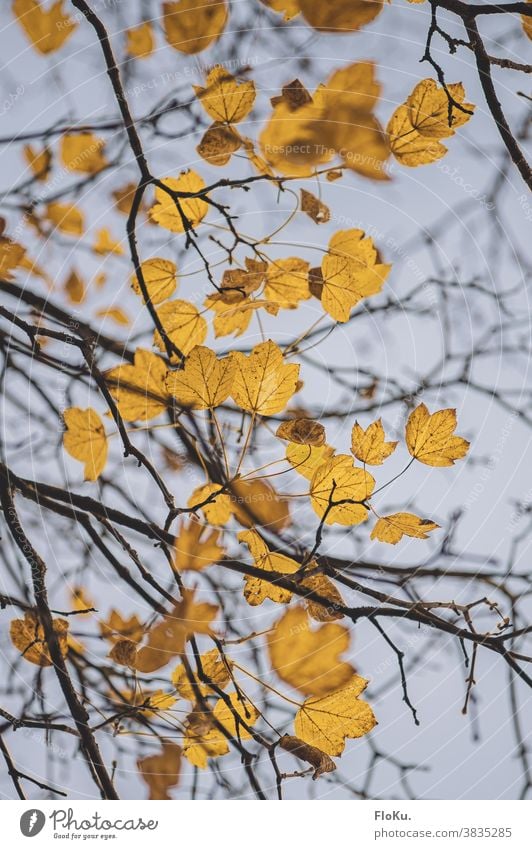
{"points": [[80, 601], [287, 282], [123, 197], [140, 41], [165, 211], [40, 162], [350, 272], [214, 666], [83, 152], [302, 431], [370, 446], [255, 502], [161, 771], [195, 548], [289, 8], [229, 318], [526, 22], [309, 660], [27, 635], [321, 762], [218, 509], [192, 25], [306, 458], [47, 29], [183, 325], [65, 217], [407, 145], [168, 637], [139, 388], [204, 382], [160, 279], [321, 584], [256, 590], [429, 109], [116, 314], [85, 440], [213, 742], [223, 98], [325, 723], [218, 144], [344, 486], [293, 140], [74, 288], [314, 207], [11, 257], [430, 438], [263, 383], [392, 528], [124, 652], [105, 244], [118, 627], [340, 15]]}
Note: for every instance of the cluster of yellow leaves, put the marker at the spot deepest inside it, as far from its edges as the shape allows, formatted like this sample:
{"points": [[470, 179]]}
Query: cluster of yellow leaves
{"points": [[427, 115], [307, 131], [47, 29], [27, 635], [253, 502], [227, 102]]}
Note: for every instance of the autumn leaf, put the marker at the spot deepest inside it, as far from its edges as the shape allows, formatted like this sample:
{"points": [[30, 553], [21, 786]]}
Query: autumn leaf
{"points": [[195, 547], [321, 762], [350, 272], [165, 210], [430, 438], [214, 667], [85, 440], [224, 98], [204, 382], [392, 528], [217, 508], [323, 586], [314, 207], [257, 590], [429, 109], [407, 145], [338, 490], [256, 502], [340, 15], [65, 217], [287, 282], [305, 459], [123, 197], [302, 432], [262, 382], [168, 637], [198, 747], [161, 771], [27, 635], [159, 275], [229, 318], [74, 287], [11, 257], [289, 8], [370, 446], [192, 25], [115, 314], [183, 324], [105, 244], [139, 387], [124, 653], [40, 161], [118, 627], [81, 602], [326, 722], [82, 152], [218, 144], [140, 41], [47, 29]]}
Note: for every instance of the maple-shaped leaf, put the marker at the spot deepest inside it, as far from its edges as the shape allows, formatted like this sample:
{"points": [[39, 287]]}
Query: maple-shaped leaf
{"points": [[305, 459], [85, 440], [203, 739], [105, 243], [139, 387], [65, 217], [392, 528], [140, 41], [302, 432], [83, 153], [350, 273], [118, 627], [183, 325], [40, 161], [192, 25], [408, 146], [338, 490], [47, 29], [326, 722], [166, 212], [430, 438], [321, 762], [11, 257], [287, 282], [307, 659], [256, 502], [195, 547], [370, 446], [263, 383], [27, 635], [168, 637], [257, 590], [323, 586], [224, 98], [218, 144], [160, 278], [204, 382], [161, 771], [214, 667], [214, 503], [429, 109], [230, 318], [340, 15]]}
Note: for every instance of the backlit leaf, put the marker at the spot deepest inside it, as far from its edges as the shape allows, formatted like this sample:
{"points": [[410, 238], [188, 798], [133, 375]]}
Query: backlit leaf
{"points": [[224, 98], [337, 490], [392, 528], [370, 446], [192, 25], [204, 382], [430, 438], [256, 590], [326, 722], [263, 383], [166, 212], [85, 440], [139, 387]]}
